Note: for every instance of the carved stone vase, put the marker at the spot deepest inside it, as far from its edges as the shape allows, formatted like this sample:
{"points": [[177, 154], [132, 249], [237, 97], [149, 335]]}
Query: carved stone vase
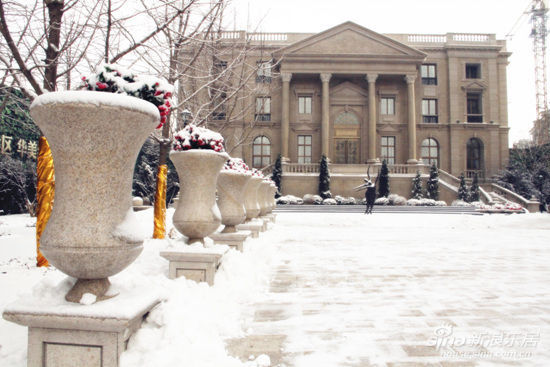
{"points": [[197, 215], [263, 197], [271, 199], [95, 138], [251, 198], [231, 186]]}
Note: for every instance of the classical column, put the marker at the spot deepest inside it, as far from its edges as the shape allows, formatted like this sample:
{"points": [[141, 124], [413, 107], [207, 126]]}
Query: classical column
{"points": [[325, 111], [412, 119], [285, 115], [371, 78]]}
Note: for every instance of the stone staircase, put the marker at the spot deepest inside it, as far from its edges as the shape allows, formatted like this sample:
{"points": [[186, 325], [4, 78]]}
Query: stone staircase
{"points": [[360, 209]]}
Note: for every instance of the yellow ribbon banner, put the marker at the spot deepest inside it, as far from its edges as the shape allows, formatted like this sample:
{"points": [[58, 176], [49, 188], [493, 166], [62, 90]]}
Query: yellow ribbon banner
{"points": [[45, 192], [160, 203]]}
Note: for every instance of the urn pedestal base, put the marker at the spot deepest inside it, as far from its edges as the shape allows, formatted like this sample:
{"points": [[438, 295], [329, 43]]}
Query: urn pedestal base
{"points": [[271, 217], [198, 266], [234, 239], [254, 226], [79, 335]]}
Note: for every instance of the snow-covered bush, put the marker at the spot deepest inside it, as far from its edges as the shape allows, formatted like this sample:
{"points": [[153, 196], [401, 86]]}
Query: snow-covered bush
{"points": [[395, 199], [329, 201], [382, 201], [344, 201], [194, 137], [237, 165], [413, 202], [427, 202], [440, 203], [115, 79], [290, 199], [312, 199], [460, 203]]}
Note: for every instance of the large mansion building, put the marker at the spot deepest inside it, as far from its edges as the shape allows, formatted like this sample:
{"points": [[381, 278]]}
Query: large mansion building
{"points": [[358, 97]]}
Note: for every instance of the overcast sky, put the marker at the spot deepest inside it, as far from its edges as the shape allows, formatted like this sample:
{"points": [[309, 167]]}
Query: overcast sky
{"points": [[413, 16]]}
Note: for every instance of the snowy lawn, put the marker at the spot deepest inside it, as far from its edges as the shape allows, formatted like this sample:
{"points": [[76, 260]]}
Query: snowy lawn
{"points": [[333, 290]]}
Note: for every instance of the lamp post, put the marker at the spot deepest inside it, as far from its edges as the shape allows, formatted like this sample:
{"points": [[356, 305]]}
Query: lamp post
{"points": [[185, 116]]}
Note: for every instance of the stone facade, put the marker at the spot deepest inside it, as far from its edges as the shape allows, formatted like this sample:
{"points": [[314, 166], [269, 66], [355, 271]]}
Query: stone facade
{"points": [[358, 97]]}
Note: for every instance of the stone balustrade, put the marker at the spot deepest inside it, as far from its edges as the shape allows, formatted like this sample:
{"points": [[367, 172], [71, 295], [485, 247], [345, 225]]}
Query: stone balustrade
{"points": [[289, 38]]}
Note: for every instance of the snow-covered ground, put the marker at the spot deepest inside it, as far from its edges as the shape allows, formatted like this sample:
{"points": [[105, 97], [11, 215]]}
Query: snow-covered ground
{"points": [[333, 290]]}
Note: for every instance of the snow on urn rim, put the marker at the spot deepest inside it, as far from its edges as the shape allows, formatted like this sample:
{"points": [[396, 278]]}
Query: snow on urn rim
{"points": [[200, 152], [98, 99]]}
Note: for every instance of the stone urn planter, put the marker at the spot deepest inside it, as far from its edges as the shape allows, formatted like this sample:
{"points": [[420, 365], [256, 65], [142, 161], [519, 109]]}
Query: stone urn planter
{"points": [[251, 198], [197, 215], [231, 188], [95, 139], [263, 197], [271, 199]]}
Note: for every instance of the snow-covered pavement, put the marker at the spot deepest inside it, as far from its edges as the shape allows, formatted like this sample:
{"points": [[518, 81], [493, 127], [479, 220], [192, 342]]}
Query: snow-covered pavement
{"points": [[326, 289], [406, 290]]}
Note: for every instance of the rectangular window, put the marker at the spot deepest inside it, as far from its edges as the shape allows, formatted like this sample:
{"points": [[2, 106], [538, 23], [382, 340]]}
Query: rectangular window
{"points": [[474, 107], [219, 107], [304, 105], [304, 148], [387, 106], [428, 74], [429, 111], [388, 149], [473, 71], [263, 109], [264, 72]]}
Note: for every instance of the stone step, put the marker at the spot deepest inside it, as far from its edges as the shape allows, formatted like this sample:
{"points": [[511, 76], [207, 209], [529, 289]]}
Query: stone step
{"points": [[376, 209]]}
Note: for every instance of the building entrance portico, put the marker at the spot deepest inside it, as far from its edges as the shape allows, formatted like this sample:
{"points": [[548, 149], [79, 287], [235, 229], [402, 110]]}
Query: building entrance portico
{"points": [[346, 151]]}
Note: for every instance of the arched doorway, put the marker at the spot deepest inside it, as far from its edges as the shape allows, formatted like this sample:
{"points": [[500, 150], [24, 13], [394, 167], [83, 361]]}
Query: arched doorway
{"points": [[474, 157], [346, 138]]}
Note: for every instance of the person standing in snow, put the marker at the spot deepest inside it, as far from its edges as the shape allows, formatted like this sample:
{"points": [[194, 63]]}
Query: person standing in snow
{"points": [[370, 196], [370, 193]]}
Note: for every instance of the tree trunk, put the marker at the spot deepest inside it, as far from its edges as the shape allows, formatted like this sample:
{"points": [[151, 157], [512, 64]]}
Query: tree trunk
{"points": [[55, 13]]}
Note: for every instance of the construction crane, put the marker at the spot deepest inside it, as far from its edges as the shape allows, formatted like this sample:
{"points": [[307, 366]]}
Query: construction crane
{"points": [[538, 12], [541, 127]]}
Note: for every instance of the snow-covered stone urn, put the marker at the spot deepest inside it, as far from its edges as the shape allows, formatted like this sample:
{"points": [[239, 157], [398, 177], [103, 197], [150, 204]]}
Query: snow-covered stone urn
{"points": [[271, 199], [251, 197], [263, 197], [198, 157], [231, 189], [95, 139]]}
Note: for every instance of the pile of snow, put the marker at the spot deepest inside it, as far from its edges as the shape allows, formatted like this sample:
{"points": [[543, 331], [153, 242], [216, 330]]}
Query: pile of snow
{"points": [[290, 199], [189, 328], [329, 201], [310, 199]]}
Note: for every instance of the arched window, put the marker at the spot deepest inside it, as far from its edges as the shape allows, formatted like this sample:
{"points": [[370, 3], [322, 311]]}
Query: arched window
{"points": [[430, 151], [346, 118], [261, 152], [474, 151]]}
